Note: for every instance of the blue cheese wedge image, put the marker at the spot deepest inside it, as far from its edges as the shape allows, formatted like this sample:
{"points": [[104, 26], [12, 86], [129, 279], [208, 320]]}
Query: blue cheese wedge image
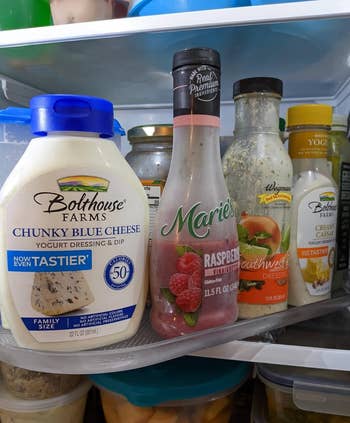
{"points": [[57, 293]]}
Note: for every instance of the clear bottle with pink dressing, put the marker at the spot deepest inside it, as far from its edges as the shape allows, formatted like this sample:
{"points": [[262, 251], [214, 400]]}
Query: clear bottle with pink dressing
{"points": [[195, 256]]}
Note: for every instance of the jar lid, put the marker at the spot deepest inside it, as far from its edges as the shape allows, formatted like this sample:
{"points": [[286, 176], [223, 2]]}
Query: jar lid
{"points": [[310, 114], [151, 133], [180, 379], [340, 120], [64, 112], [258, 85], [288, 376]]}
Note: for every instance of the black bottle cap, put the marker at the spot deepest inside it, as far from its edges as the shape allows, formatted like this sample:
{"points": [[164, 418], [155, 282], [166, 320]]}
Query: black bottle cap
{"points": [[258, 85], [196, 56]]}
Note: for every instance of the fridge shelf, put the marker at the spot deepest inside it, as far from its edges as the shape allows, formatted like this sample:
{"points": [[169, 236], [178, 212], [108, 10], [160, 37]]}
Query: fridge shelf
{"points": [[320, 343], [123, 60], [146, 348]]}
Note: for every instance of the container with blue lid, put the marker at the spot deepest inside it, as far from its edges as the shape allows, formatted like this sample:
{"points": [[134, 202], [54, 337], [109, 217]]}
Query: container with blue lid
{"points": [[157, 7], [15, 134], [196, 389], [299, 394], [262, 2]]}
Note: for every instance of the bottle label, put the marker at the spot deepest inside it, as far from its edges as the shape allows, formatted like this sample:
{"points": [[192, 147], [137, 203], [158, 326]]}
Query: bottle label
{"points": [[194, 282], [343, 229], [308, 145], [264, 244], [76, 248], [197, 91], [317, 221], [153, 189], [198, 222]]}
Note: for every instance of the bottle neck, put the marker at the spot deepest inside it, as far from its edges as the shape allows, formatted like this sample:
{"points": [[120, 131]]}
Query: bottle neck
{"points": [[308, 148], [315, 165], [196, 150], [257, 112]]}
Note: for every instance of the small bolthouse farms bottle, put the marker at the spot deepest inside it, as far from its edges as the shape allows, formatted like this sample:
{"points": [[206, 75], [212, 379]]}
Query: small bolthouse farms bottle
{"points": [[195, 258], [314, 209], [258, 174], [74, 226]]}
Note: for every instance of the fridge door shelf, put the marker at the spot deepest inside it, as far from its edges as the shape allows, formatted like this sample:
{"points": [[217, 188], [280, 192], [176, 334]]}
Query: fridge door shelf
{"points": [[146, 348]]}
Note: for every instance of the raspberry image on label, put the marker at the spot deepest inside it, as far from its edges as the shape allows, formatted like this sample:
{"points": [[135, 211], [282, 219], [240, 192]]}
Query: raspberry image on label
{"points": [[178, 283], [189, 263], [185, 289], [199, 298], [189, 300]]}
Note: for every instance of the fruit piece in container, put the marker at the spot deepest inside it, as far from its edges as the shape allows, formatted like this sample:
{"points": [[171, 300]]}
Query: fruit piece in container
{"points": [[68, 11], [27, 384], [215, 408], [117, 408], [164, 415]]}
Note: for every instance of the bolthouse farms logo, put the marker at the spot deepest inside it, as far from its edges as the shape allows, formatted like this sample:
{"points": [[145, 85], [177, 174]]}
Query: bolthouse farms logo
{"points": [[326, 206], [88, 207], [199, 222]]}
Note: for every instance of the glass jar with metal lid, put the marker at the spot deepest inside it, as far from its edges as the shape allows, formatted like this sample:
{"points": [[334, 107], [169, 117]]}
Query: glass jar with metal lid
{"points": [[150, 158], [151, 151]]}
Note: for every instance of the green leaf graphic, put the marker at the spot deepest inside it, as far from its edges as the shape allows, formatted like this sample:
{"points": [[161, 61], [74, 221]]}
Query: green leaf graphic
{"points": [[191, 319], [285, 240], [182, 249], [243, 233], [168, 295]]}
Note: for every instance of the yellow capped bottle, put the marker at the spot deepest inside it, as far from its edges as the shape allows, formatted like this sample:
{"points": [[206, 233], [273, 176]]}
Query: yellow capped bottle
{"points": [[314, 208]]}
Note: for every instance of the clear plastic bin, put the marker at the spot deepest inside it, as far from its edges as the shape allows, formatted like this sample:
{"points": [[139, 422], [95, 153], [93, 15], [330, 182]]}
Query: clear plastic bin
{"points": [[15, 134], [185, 390], [301, 395], [27, 384], [68, 408]]}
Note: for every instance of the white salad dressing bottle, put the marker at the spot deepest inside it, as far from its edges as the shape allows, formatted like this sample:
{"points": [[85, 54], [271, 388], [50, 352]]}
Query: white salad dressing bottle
{"points": [[74, 225], [314, 207]]}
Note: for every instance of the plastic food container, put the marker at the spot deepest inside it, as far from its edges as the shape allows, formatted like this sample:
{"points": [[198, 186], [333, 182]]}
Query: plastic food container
{"points": [[68, 408], [24, 14], [187, 390], [118, 133], [300, 395], [15, 134], [156, 7], [27, 384], [68, 11]]}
